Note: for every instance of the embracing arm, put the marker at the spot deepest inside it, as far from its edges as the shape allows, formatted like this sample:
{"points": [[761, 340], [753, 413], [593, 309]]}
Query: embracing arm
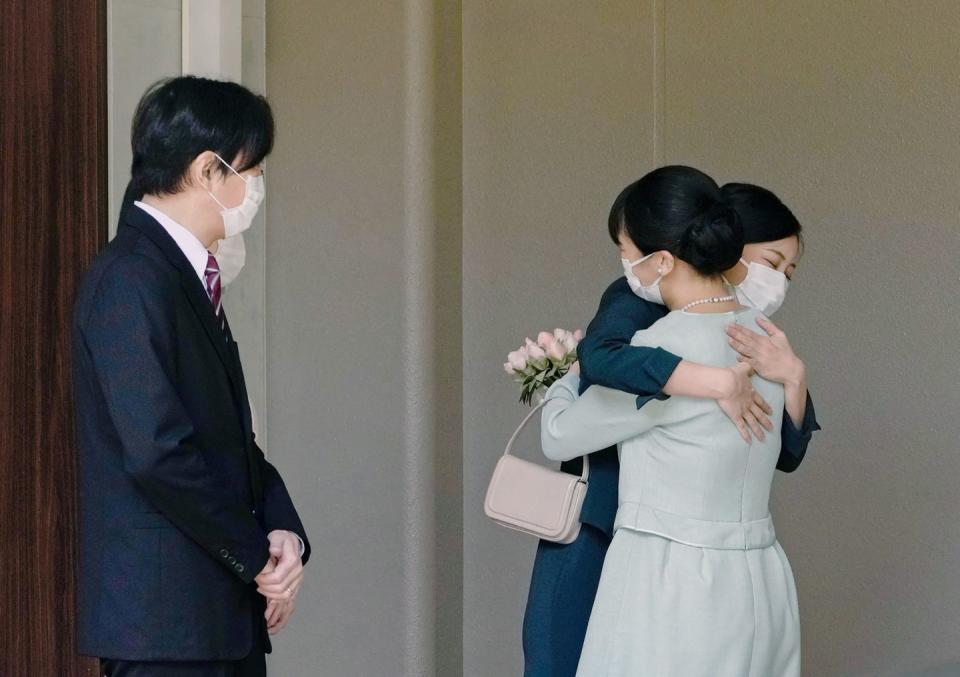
{"points": [[795, 439], [571, 426], [607, 358], [773, 359], [126, 335], [795, 392]]}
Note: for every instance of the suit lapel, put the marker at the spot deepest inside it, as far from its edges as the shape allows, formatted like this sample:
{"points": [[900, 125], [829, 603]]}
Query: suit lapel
{"points": [[193, 288], [245, 417], [236, 372]]}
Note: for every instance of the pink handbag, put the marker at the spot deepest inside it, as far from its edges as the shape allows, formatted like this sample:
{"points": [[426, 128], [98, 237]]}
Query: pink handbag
{"points": [[535, 499]]}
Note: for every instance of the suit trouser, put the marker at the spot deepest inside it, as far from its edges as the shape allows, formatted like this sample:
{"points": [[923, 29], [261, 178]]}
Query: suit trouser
{"points": [[254, 665], [562, 589]]}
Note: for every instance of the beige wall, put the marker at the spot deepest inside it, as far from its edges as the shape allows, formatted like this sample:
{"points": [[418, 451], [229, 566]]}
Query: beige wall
{"points": [[849, 111]]}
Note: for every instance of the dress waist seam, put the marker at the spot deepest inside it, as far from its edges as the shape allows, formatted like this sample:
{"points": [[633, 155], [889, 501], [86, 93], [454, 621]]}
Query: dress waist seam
{"points": [[746, 535]]}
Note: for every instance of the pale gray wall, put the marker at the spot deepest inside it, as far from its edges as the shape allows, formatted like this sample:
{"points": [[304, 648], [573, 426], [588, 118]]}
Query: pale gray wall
{"points": [[143, 45], [363, 286], [557, 112], [245, 298], [334, 309], [848, 110]]}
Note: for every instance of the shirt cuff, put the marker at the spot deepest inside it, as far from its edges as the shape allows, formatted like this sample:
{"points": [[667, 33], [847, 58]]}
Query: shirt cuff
{"points": [[302, 546], [660, 371], [808, 425]]}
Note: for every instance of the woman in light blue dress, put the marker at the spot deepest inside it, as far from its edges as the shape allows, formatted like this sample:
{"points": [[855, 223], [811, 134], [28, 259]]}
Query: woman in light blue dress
{"points": [[694, 583]]}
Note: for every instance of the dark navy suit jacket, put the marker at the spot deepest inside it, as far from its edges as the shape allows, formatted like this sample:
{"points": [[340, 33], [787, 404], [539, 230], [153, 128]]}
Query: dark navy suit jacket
{"points": [[176, 498], [607, 358]]}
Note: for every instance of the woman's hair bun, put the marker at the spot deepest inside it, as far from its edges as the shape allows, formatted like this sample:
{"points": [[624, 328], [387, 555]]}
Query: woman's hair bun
{"points": [[679, 209], [713, 241]]}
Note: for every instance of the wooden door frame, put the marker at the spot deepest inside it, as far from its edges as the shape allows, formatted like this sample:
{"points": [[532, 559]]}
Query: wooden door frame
{"points": [[53, 218]]}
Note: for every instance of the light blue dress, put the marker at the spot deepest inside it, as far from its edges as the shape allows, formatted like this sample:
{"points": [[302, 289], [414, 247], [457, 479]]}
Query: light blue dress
{"points": [[695, 583]]}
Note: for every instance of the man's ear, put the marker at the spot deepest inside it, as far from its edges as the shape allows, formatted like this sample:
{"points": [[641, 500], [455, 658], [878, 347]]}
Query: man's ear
{"points": [[665, 262], [202, 170]]}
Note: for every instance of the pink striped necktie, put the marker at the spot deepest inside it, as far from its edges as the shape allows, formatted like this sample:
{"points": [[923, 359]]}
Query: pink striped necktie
{"points": [[212, 274]]}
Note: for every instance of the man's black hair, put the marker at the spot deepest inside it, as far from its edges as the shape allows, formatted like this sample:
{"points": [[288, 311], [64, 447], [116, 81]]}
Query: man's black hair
{"points": [[180, 118]]}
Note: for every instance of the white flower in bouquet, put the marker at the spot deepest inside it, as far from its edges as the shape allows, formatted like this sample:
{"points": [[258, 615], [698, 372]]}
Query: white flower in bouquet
{"points": [[568, 339], [538, 364], [516, 361]]}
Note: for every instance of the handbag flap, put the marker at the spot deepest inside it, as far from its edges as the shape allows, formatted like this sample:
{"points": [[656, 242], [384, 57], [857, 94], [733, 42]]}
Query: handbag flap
{"points": [[529, 493]]}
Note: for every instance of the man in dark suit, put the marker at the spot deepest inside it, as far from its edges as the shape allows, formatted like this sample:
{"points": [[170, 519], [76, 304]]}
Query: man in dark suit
{"points": [[191, 551]]}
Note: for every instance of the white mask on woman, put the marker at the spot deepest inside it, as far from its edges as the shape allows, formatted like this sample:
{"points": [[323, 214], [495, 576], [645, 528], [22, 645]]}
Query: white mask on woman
{"points": [[762, 289], [649, 293], [231, 255], [238, 219]]}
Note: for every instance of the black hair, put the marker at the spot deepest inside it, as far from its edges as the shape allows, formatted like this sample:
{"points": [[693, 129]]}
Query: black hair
{"points": [[680, 210], [179, 118], [764, 216]]}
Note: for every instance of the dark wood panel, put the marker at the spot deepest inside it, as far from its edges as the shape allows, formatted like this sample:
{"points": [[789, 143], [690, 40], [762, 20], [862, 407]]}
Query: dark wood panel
{"points": [[52, 223]]}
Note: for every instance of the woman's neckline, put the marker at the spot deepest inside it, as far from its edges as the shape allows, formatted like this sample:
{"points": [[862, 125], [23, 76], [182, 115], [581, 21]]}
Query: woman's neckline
{"points": [[741, 309]]}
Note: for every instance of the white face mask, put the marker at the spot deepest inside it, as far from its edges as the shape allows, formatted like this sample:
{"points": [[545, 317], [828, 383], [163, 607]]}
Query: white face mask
{"points": [[649, 293], [231, 255], [762, 289], [238, 219]]}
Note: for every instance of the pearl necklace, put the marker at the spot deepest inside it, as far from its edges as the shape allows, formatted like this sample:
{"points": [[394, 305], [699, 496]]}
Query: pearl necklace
{"points": [[709, 299]]}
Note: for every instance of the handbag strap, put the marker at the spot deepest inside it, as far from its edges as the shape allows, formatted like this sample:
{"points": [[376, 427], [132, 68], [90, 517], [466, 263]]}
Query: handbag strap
{"points": [[523, 424]]}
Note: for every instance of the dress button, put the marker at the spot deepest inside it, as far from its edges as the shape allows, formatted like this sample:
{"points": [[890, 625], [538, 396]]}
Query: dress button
{"points": [[223, 552], [233, 560], [240, 568]]}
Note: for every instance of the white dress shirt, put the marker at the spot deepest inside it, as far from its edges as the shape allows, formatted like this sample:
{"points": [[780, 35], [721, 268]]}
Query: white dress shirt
{"points": [[191, 247], [196, 254]]}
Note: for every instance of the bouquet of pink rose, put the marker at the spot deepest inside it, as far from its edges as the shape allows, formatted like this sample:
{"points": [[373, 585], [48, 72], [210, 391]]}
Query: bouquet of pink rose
{"points": [[536, 365]]}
